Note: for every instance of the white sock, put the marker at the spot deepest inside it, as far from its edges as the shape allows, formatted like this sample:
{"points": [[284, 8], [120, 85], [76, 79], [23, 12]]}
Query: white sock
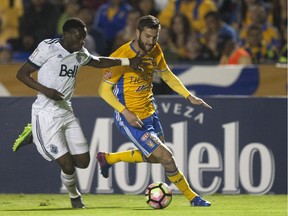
{"points": [[70, 182]]}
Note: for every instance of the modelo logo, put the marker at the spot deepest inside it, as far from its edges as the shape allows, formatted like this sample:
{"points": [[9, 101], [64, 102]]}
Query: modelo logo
{"points": [[68, 72], [229, 169]]}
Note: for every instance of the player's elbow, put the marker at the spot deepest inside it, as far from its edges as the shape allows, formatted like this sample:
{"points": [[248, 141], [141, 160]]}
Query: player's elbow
{"points": [[20, 75], [104, 90]]}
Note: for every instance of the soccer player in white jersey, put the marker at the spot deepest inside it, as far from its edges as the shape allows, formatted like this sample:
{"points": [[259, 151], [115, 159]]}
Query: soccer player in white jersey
{"points": [[56, 131]]}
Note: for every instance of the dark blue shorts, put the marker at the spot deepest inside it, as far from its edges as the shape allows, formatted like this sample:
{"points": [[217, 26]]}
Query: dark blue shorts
{"points": [[147, 138]]}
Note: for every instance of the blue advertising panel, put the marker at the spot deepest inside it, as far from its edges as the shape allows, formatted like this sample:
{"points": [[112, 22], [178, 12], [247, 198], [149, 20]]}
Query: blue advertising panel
{"points": [[219, 80], [238, 147]]}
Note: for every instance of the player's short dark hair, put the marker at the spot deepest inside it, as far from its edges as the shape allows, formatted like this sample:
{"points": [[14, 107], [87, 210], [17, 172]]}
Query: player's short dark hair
{"points": [[73, 23], [148, 21]]}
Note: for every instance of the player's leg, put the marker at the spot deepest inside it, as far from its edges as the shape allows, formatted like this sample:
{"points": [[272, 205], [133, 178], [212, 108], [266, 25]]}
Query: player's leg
{"points": [[106, 159], [139, 137], [77, 143], [81, 160], [69, 179], [165, 157], [50, 140], [130, 156], [80, 157]]}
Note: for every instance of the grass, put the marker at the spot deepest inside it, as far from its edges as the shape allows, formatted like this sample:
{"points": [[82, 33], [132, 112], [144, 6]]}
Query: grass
{"points": [[134, 205]]}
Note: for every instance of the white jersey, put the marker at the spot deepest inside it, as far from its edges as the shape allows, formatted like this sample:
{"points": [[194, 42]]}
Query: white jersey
{"points": [[58, 70]]}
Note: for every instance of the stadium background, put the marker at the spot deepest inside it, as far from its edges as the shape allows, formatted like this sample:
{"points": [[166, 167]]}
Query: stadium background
{"points": [[240, 146]]}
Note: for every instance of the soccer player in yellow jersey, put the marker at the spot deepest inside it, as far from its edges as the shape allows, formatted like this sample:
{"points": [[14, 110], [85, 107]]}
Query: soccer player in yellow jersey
{"points": [[130, 94]]}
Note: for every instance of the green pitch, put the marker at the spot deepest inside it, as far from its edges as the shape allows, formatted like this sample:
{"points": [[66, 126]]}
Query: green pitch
{"points": [[130, 205]]}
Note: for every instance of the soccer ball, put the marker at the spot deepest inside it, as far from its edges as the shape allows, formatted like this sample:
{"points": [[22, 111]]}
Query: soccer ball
{"points": [[158, 195]]}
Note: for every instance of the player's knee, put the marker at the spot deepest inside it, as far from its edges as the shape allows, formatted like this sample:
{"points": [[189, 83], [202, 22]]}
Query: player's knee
{"points": [[168, 162], [83, 163], [69, 170]]}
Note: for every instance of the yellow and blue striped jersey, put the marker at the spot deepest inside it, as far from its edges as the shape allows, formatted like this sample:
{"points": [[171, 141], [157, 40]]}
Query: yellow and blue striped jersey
{"points": [[134, 89]]}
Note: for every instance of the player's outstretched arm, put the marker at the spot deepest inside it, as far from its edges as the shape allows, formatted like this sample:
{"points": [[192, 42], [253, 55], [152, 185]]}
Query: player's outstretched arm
{"points": [[106, 62], [174, 83], [198, 101]]}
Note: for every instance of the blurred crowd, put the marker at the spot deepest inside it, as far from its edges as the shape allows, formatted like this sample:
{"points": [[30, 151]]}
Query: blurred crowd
{"points": [[193, 31]]}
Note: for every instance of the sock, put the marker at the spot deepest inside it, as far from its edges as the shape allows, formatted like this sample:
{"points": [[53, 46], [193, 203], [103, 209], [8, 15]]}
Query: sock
{"points": [[130, 156], [70, 182], [181, 183]]}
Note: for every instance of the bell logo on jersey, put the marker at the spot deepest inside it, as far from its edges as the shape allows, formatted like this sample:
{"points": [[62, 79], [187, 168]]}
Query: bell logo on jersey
{"points": [[68, 72]]}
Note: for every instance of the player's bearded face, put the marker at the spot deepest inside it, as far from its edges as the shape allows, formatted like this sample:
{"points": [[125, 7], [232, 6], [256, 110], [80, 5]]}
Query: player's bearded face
{"points": [[147, 39]]}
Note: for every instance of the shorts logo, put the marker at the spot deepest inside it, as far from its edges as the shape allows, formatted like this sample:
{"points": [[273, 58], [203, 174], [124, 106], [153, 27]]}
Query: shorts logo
{"points": [[150, 143], [145, 136], [53, 149]]}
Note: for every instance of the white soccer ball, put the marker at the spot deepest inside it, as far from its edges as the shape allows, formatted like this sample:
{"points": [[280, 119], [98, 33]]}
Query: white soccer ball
{"points": [[158, 195]]}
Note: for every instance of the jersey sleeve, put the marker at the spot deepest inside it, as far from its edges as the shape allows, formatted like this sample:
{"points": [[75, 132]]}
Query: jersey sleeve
{"points": [[113, 74], [84, 56], [167, 75], [174, 83], [160, 60], [39, 55]]}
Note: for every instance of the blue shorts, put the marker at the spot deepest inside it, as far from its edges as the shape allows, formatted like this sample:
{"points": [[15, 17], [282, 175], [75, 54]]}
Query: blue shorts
{"points": [[147, 138]]}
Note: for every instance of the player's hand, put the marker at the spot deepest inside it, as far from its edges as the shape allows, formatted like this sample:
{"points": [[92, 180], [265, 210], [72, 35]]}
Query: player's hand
{"points": [[198, 101], [132, 119], [53, 94], [138, 62]]}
